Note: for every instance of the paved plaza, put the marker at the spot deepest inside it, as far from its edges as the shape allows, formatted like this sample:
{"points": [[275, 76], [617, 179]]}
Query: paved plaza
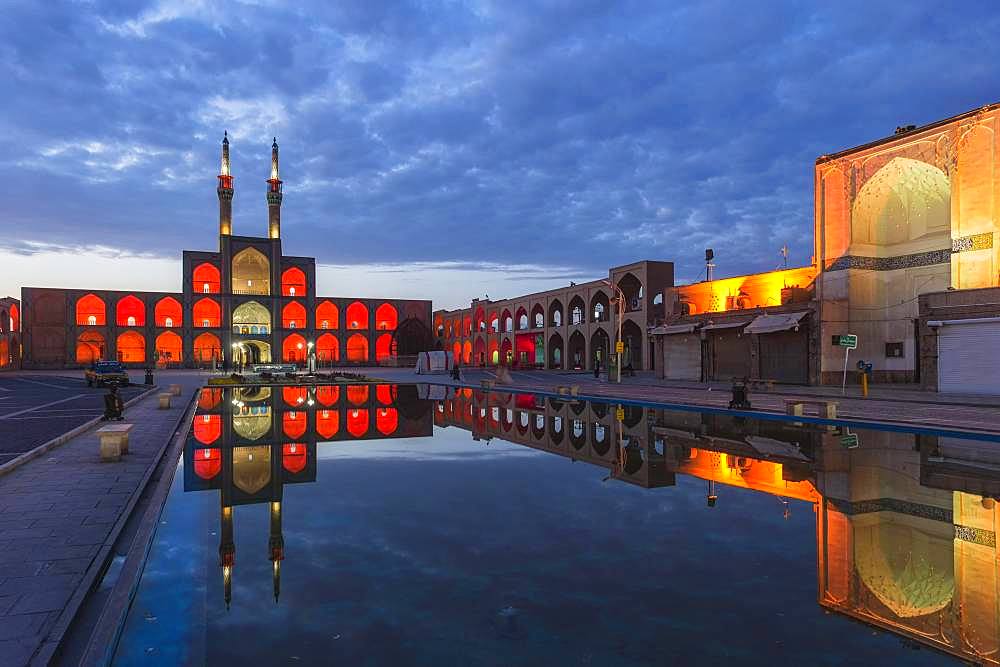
{"points": [[35, 408], [59, 516]]}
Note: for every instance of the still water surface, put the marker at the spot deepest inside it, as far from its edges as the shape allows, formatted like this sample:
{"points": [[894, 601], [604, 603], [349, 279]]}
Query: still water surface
{"points": [[367, 526]]}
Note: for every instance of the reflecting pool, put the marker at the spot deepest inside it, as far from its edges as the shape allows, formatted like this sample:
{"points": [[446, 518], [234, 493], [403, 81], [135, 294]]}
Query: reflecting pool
{"points": [[403, 525]]}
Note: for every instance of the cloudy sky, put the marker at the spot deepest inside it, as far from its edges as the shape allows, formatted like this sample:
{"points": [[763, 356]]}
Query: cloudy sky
{"points": [[445, 149]]}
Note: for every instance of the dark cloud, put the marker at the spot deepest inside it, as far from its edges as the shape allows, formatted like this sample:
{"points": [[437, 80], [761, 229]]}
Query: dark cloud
{"points": [[578, 134]]}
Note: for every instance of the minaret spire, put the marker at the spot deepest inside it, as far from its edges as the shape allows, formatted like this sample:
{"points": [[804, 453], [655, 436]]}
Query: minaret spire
{"points": [[274, 196], [225, 191], [276, 546]]}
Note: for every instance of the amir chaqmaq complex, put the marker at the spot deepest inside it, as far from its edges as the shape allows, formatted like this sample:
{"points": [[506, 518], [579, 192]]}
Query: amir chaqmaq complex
{"points": [[245, 302]]}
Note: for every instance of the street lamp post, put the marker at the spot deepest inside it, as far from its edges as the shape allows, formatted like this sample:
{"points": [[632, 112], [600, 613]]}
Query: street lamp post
{"points": [[621, 317], [312, 357]]}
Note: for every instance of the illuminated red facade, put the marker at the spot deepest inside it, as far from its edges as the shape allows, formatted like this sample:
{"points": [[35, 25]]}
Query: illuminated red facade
{"points": [[246, 302]]}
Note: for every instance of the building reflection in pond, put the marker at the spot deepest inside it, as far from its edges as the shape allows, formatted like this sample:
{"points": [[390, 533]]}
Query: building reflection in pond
{"points": [[247, 443], [906, 524]]}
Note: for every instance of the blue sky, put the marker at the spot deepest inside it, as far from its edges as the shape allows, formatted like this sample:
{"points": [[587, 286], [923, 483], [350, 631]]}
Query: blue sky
{"points": [[445, 149]]}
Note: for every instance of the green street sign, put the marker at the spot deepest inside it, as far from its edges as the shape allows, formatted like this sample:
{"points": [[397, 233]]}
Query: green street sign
{"points": [[850, 441], [850, 341]]}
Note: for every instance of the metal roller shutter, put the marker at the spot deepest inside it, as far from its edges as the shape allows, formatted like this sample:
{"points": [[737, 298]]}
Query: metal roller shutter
{"points": [[730, 354], [969, 356], [682, 357], [784, 356]]}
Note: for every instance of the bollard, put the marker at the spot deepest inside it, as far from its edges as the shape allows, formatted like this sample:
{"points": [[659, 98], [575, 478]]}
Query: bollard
{"points": [[864, 385], [149, 376]]}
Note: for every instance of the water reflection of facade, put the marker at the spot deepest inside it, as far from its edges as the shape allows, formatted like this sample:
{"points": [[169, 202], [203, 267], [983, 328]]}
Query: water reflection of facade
{"points": [[906, 525], [247, 443]]}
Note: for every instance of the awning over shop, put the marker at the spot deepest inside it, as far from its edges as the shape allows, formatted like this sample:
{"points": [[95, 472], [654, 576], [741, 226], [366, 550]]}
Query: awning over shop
{"points": [[672, 329], [764, 324], [725, 325]]}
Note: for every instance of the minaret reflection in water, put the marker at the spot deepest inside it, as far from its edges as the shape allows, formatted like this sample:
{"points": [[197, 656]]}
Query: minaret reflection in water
{"points": [[247, 443], [906, 524]]}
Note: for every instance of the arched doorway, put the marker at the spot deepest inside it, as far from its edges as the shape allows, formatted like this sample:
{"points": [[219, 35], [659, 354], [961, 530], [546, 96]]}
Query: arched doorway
{"points": [[168, 349], [507, 321], [206, 313], [293, 316], [207, 347], [600, 345], [538, 316], [555, 313], [600, 308], [168, 313], [247, 352], [555, 351], [383, 347], [386, 317], [632, 337], [327, 316], [631, 287], [467, 353], [576, 352], [130, 312], [90, 311], [131, 347], [293, 282], [480, 352], [251, 272], [507, 352], [357, 316], [293, 349], [494, 352], [251, 318], [357, 348], [89, 347], [206, 279], [577, 310], [327, 348], [522, 319]]}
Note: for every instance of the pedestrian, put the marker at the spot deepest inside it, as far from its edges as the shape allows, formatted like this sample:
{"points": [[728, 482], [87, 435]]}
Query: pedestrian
{"points": [[597, 369], [455, 374]]}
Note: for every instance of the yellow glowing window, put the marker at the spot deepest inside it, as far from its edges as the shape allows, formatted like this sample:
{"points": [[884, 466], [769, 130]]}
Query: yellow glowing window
{"points": [[169, 322], [92, 320], [130, 321]]}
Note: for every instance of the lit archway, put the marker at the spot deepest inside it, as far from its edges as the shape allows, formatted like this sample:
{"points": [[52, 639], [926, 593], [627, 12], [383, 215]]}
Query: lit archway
{"points": [[207, 463], [357, 316], [168, 312], [4, 353], [90, 311], [494, 353], [327, 348], [467, 353], [387, 393], [89, 347], [130, 312], [479, 352], [294, 423], [328, 394], [467, 325], [206, 313], [207, 347], [293, 316], [294, 457], [357, 348], [207, 428], [507, 321], [386, 420], [251, 272], [506, 352], [168, 348], [479, 322], [383, 347], [327, 316], [386, 317], [294, 396], [293, 282], [357, 422], [209, 398], [357, 394], [131, 347], [456, 352], [327, 423], [293, 348], [206, 279], [251, 317], [15, 318]]}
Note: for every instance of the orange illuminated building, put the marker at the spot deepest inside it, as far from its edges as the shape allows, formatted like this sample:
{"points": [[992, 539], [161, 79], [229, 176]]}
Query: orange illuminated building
{"points": [[245, 303], [905, 525], [10, 333]]}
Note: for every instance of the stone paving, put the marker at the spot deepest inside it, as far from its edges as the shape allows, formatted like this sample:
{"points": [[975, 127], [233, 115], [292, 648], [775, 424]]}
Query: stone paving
{"points": [[58, 515]]}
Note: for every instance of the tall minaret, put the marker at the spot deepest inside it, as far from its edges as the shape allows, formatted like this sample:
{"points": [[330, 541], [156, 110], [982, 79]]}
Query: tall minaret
{"points": [[274, 196], [225, 191], [276, 545]]}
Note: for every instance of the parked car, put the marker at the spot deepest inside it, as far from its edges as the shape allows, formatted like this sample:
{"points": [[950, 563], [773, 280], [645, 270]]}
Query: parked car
{"points": [[106, 372]]}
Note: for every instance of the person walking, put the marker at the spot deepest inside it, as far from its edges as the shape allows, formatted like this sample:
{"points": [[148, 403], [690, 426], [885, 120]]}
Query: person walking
{"points": [[597, 369]]}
